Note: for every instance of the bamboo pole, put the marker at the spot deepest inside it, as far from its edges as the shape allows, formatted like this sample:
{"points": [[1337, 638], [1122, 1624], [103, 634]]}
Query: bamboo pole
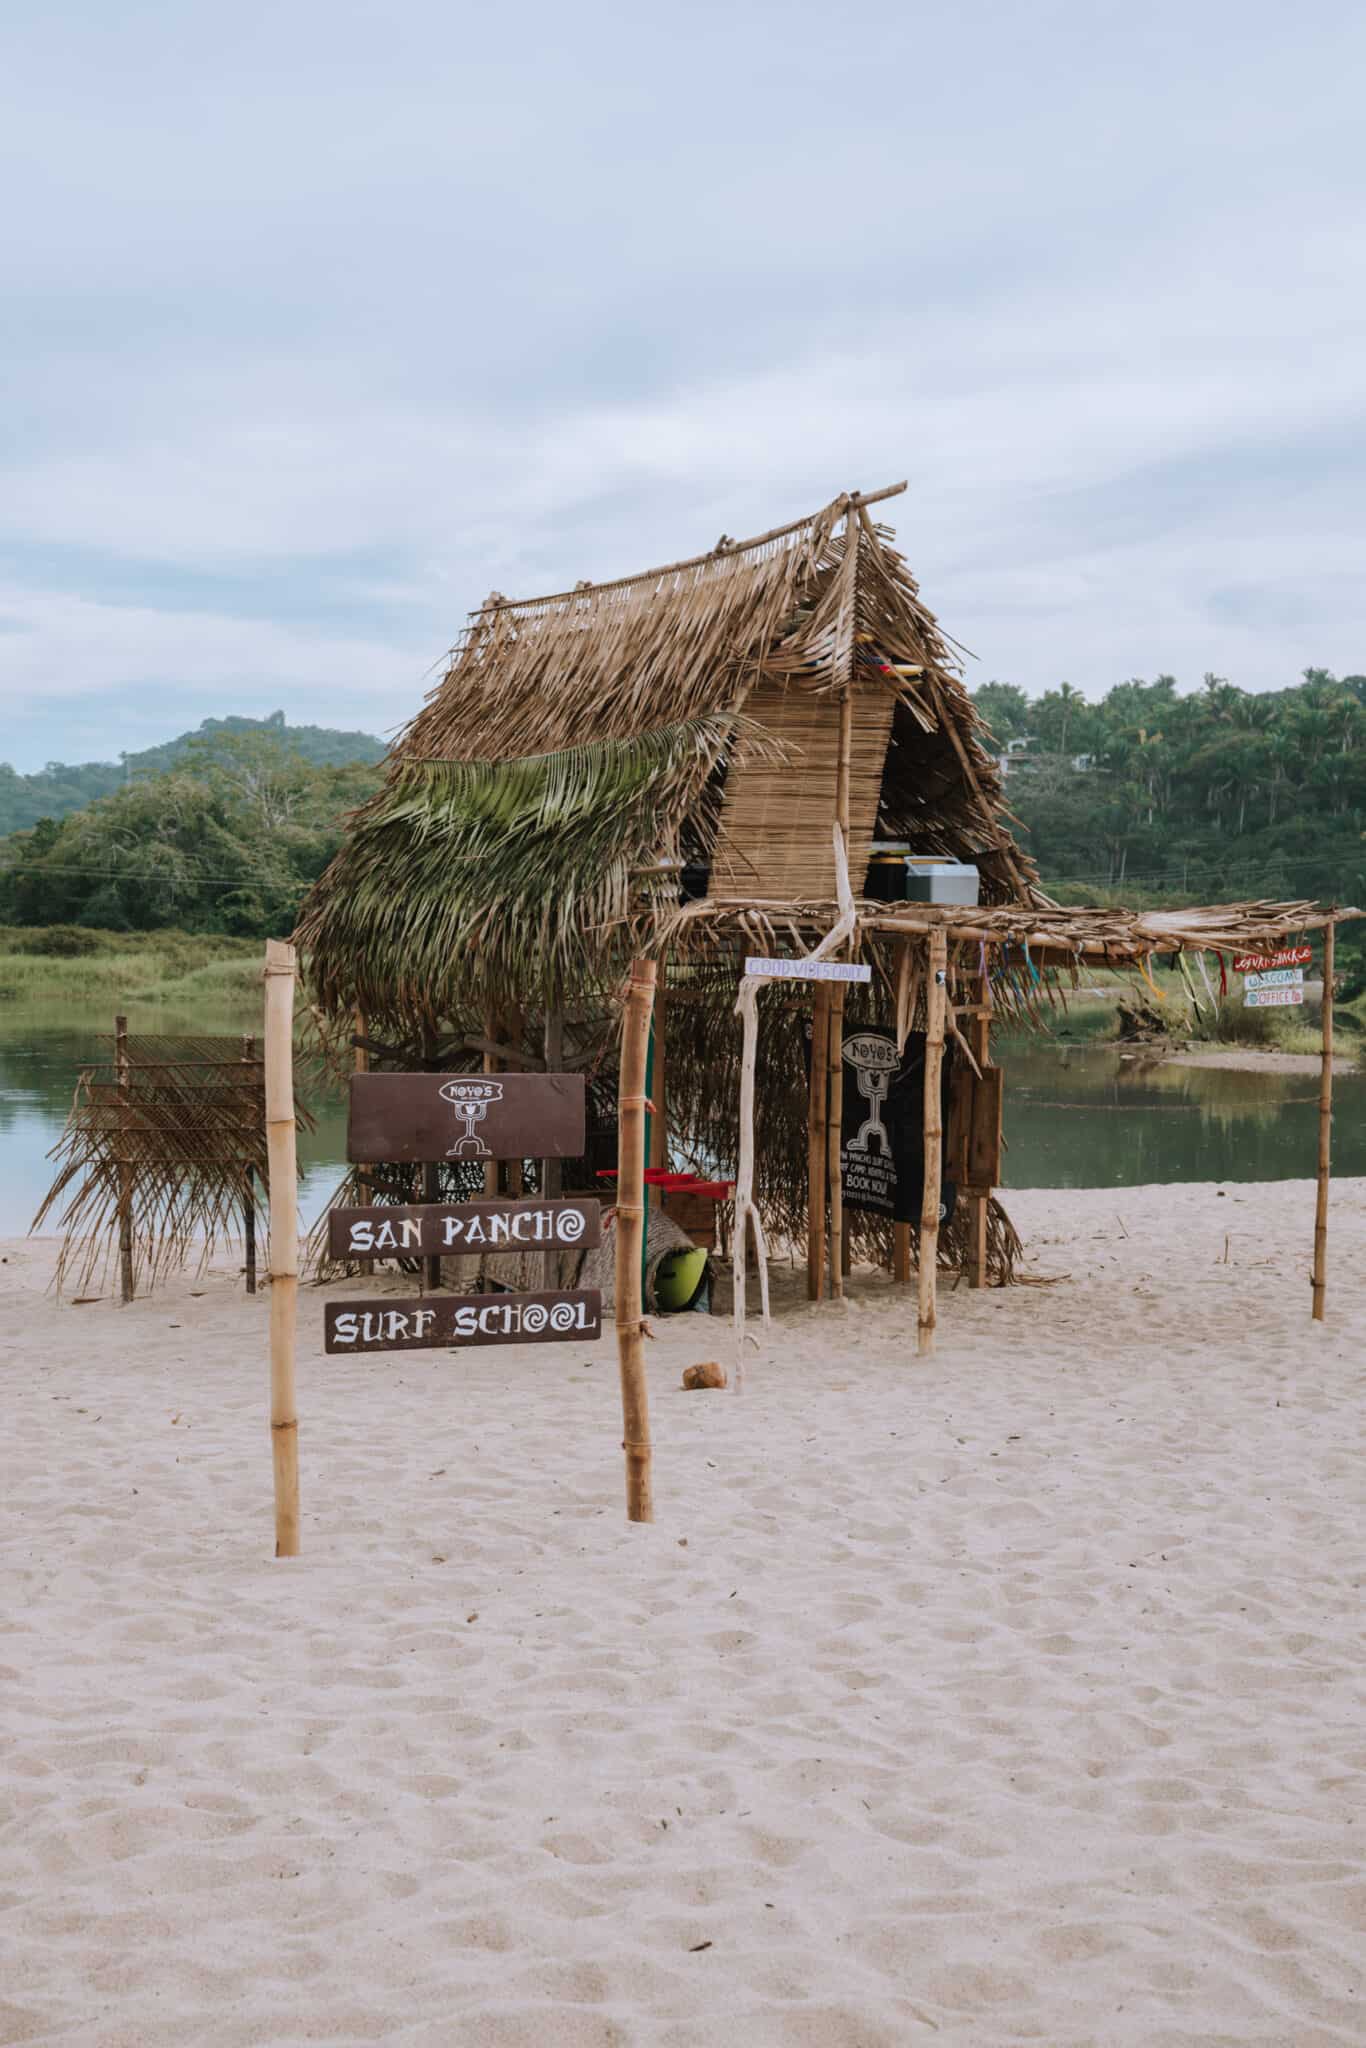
{"points": [[515, 1023], [980, 1028], [492, 1065], [248, 1183], [818, 1089], [630, 1235], [284, 1240], [747, 1216], [834, 1136], [431, 1170], [552, 1173], [495, 603], [1325, 1132], [658, 1093], [936, 995], [360, 1061], [123, 1075]]}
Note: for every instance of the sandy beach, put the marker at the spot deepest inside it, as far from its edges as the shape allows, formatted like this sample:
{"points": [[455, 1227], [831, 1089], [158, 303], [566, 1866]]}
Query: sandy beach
{"points": [[1012, 1696]]}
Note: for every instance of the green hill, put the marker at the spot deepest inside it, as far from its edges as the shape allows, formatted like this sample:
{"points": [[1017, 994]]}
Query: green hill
{"points": [[62, 788]]}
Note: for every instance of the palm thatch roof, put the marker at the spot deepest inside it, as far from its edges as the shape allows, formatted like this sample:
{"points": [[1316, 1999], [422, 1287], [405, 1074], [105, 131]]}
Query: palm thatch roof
{"points": [[577, 752]]}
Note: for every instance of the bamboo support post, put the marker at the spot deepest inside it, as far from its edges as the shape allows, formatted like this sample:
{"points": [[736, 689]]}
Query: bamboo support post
{"points": [[360, 1051], [493, 1064], [630, 1234], [248, 1183], [936, 996], [249, 1230], [513, 1168], [658, 1092], [284, 1240], [552, 1173], [1325, 1132], [817, 1093], [431, 1171], [834, 1136], [123, 1075], [747, 1216], [980, 1037]]}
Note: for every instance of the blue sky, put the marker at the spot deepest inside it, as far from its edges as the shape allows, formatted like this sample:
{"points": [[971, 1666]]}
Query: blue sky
{"points": [[321, 321]]}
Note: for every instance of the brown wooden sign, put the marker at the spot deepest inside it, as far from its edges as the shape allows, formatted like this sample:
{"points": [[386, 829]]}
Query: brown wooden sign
{"points": [[435, 1322], [445, 1229], [466, 1116]]}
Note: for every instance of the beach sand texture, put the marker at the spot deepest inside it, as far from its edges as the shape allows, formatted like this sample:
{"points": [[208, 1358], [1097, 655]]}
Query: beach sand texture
{"points": [[1015, 1695]]}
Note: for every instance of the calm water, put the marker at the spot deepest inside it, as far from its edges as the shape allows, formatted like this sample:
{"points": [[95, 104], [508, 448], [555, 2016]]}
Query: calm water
{"points": [[1074, 1117]]}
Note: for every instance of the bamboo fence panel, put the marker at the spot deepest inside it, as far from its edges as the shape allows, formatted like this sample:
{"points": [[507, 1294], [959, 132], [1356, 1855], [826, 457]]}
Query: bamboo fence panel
{"points": [[768, 842]]}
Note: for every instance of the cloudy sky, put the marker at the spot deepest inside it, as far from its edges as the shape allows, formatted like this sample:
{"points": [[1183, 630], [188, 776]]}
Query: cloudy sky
{"points": [[321, 320]]}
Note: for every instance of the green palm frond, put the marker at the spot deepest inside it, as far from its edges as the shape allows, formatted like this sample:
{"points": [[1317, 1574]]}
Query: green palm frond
{"points": [[510, 877]]}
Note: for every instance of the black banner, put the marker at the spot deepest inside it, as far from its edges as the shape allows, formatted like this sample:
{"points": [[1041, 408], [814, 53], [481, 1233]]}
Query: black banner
{"points": [[882, 1148]]}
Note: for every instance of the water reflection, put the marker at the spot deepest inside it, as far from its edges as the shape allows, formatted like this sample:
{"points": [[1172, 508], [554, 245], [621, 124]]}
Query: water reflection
{"points": [[1075, 1115], [1097, 1116], [43, 1050]]}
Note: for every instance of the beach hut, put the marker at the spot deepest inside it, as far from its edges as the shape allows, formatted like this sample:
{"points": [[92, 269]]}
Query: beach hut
{"points": [[692, 766], [594, 760]]}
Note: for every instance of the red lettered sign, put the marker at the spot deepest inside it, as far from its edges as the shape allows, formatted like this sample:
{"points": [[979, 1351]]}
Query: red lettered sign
{"points": [[1258, 963]]}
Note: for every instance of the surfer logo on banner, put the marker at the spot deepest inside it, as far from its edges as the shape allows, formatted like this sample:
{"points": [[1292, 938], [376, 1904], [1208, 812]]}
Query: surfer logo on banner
{"points": [[871, 1060]]}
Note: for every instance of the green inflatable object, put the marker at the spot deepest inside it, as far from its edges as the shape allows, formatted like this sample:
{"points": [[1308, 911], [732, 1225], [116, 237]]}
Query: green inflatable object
{"points": [[678, 1278]]}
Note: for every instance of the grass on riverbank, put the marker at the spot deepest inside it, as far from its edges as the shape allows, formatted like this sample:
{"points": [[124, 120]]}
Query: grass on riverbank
{"points": [[46, 963]]}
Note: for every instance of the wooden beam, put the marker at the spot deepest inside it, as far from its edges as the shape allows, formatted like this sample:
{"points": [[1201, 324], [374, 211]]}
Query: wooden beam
{"points": [[1325, 1134]]}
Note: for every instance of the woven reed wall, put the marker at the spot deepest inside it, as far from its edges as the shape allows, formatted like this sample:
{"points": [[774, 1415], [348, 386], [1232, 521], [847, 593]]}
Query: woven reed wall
{"points": [[775, 837]]}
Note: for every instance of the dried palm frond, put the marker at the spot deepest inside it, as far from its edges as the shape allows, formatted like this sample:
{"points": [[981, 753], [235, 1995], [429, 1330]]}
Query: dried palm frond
{"points": [[182, 1128]]}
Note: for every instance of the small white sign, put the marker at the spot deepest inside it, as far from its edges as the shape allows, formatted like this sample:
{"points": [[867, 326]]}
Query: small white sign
{"points": [[1272, 998], [809, 970], [1275, 977]]}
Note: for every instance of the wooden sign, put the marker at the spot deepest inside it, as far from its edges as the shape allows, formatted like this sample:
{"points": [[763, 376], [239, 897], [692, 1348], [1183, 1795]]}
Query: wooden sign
{"points": [[983, 1164], [1272, 998], [466, 1116], [435, 1322], [1288, 956], [809, 970], [437, 1229], [1275, 977]]}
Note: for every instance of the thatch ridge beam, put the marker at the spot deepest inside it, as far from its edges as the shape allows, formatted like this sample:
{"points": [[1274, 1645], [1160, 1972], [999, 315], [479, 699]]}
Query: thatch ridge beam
{"points": [[496, 602]]}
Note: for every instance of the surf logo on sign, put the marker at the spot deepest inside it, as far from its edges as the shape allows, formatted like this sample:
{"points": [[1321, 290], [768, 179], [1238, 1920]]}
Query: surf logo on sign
{"points": [[874, 1060], [470, 1100]]}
